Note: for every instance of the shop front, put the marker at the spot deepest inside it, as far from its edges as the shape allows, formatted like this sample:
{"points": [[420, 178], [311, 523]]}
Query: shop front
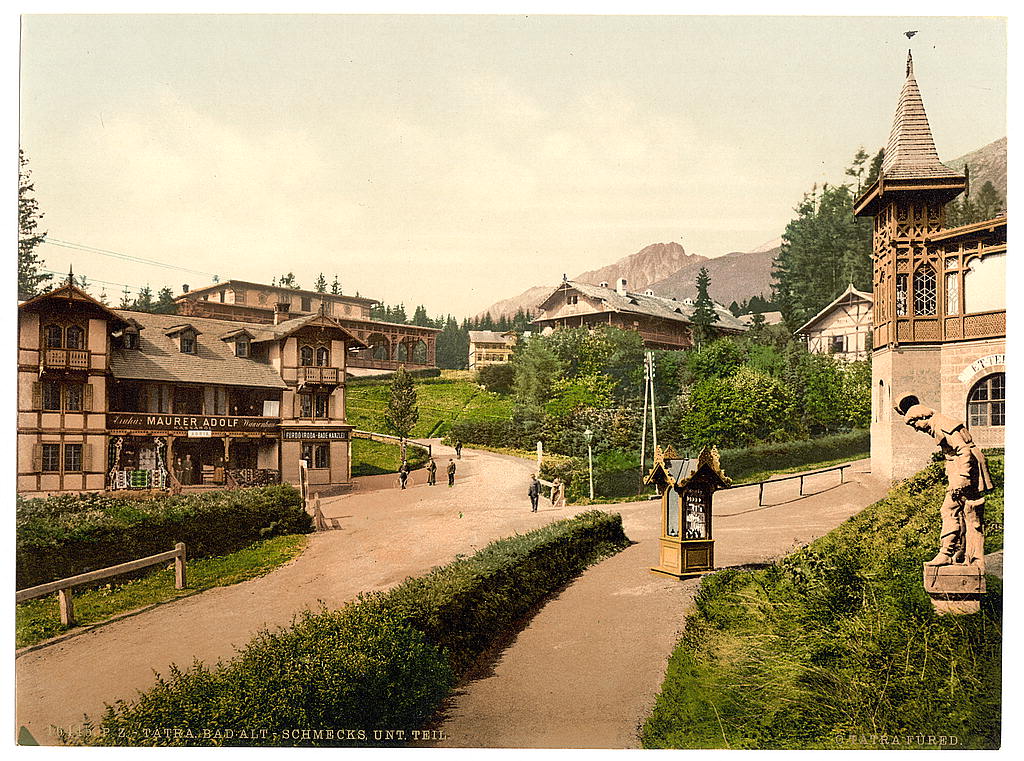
{"points": [[325, 451], [160, 451]]}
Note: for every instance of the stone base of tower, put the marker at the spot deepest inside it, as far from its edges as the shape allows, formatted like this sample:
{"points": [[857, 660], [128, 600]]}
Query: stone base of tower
{"points": [[941, 376]]}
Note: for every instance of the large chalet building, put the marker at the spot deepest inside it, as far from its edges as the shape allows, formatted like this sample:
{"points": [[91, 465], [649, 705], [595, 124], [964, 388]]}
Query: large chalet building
{"points": [[387, 345], [939, 313], [662, 323], [111, 399]]}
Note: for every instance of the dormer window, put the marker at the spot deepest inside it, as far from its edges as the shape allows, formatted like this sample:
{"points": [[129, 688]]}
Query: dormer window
{"points": [[187, 343], [242, 347], [131, 339]]}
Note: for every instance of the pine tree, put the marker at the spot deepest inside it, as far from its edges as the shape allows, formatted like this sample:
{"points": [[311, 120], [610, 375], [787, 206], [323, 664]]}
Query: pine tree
{"points": [[31, 278], [402, 412], [704, 314], [165, 302], [126, 298], [289, 281], [419, 316], [320, 286], [336, 287], [144, 301], [989, 203]]}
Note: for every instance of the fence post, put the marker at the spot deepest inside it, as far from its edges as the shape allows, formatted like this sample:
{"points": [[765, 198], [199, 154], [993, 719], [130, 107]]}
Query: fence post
{"points": [[67, 607], [842, 473], [179, 566], [801, 486], [760, 494]]}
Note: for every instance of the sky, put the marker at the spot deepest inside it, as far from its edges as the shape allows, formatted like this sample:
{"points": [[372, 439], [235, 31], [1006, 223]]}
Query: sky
{"points": [[454, 160]]}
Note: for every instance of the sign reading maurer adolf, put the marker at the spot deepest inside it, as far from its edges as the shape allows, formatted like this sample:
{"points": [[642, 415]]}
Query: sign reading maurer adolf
{"points": [[136, 421]]}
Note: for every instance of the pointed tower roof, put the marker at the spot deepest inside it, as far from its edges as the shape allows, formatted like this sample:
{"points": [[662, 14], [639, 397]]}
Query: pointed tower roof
{"points": [[911, 152], [911, 163]]}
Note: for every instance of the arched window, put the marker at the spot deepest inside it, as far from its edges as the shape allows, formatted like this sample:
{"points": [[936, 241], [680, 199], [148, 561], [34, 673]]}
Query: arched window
{"points": [[74, 337], [379, 347], [323, 356], [986, 404], [419, 353], [53, 335], [924, 290], [402, 352], [306, 356]]}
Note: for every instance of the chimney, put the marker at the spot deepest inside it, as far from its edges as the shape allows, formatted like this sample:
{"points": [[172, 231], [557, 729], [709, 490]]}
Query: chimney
{"points": [[281, 312], [604, 283], [620, 286], [184, 288]]}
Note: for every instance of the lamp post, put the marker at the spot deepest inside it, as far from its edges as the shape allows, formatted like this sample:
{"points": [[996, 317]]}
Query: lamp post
{"points": [[589, 435]]}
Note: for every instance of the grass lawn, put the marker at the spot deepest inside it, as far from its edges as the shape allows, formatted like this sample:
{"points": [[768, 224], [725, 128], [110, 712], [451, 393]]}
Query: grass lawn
{"points": [[441, 402], [372, 458], [36, 620], [837, 645]]}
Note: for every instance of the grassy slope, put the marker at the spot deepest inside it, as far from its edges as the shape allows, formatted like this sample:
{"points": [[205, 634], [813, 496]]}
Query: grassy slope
{"points": [[837, 640], [441, 401], [36, 620]]}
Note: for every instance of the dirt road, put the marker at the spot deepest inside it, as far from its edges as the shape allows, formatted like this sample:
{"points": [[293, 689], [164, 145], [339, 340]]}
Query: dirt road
{"points": [[611, 631]]}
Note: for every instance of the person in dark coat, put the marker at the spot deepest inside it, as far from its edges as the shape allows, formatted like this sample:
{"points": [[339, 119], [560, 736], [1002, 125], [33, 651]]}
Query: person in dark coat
{"points": [[403, 473], [431, 472], [458, 449], [451, 472], [534, 492]]}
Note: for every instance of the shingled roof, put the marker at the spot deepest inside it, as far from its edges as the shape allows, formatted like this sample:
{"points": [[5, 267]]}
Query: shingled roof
{"points": [[652, 306], [159, 357], [910, 153]]}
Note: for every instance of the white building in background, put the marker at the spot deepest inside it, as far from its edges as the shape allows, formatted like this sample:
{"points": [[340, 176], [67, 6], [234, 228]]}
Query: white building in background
{"points": [[843, 328]]}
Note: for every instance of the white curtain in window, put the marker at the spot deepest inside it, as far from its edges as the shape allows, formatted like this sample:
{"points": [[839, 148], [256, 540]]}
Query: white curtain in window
{"points": [[985, 284]]}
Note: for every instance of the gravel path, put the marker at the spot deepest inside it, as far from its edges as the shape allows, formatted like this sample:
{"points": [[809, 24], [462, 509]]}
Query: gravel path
{"points": [[586, 670], [600, 646]]}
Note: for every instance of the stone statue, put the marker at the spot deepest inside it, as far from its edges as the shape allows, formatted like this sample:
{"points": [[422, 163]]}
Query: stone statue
{"points": [[963, 510]]}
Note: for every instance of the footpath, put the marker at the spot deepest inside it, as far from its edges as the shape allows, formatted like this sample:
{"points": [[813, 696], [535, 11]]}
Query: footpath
{"points": [[585, 671]]}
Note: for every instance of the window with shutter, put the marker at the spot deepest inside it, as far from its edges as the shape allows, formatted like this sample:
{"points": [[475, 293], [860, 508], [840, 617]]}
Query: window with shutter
{"points": [[37, 457], [87, 392], [37, 395], [87, 457]]}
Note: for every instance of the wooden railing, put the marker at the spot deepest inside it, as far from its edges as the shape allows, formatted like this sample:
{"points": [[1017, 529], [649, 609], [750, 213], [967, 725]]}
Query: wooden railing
{"points": [[324, 375], [63, 586], [801, 476], [66, 359], [388, 439]]}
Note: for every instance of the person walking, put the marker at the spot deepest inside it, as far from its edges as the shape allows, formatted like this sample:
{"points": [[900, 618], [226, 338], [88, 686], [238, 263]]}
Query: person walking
{"points": [[451, 473], [431, 472], [403, 473], [558, 492], [458, 449], [534, 492]]}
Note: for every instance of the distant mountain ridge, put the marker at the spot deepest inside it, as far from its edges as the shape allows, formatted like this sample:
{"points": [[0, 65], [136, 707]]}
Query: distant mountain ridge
{"points": [[988, 164], [653, 262], [734, 277]]}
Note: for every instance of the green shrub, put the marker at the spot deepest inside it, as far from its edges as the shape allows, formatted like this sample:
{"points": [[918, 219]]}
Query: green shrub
{"points": [[384, 661], [497, 379], [839, 640], [66, 535], [739, 463]]}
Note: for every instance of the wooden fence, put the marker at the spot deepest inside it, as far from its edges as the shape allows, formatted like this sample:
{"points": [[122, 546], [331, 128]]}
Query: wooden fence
{"points": [[63, 587], [801, 476]]}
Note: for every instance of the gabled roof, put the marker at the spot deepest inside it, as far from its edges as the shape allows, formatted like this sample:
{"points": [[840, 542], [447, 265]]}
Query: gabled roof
{"points": [[487, 336], [849, 296], [175, 330], [910, 152], [284, 329], [669, 470], [69, 292], [639, 303]]}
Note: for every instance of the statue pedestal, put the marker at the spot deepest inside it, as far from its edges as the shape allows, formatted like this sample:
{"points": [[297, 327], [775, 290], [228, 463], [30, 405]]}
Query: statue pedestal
{"points": [[955, 589]]}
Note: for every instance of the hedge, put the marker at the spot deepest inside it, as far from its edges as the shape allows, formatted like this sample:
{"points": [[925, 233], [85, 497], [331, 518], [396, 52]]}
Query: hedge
{"points": [[66, 535], [385, 661], [740, 463]]}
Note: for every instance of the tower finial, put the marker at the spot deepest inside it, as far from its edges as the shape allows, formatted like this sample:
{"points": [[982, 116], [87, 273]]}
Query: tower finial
{"points": [[71, 274], [910, 65]]}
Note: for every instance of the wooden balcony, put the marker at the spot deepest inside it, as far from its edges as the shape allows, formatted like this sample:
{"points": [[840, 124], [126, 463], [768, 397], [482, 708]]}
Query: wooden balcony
{"points": [[66, 359], [320, 376]]}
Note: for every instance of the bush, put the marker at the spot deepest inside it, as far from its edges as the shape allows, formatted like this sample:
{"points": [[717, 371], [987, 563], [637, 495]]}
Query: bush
{"points": [[66, 535], [497, 379], [385, 661], [491, 432], [740, 463], [616, 474], [837, 645]]}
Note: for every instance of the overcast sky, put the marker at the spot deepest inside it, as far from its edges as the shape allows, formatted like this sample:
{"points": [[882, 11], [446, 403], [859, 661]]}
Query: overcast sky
{"points": [[456, 160]]}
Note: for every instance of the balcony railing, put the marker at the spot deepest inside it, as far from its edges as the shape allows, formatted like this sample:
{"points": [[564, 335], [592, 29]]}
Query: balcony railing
{"points": [[66, 359], [326, 376]]}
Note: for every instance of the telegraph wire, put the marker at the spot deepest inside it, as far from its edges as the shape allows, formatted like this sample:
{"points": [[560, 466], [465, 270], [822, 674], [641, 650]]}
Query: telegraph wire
{"points": [[125, 257]]}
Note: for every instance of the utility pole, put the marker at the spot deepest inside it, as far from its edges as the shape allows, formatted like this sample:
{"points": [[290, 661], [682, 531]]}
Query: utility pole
{"points": [[648, 395]]}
